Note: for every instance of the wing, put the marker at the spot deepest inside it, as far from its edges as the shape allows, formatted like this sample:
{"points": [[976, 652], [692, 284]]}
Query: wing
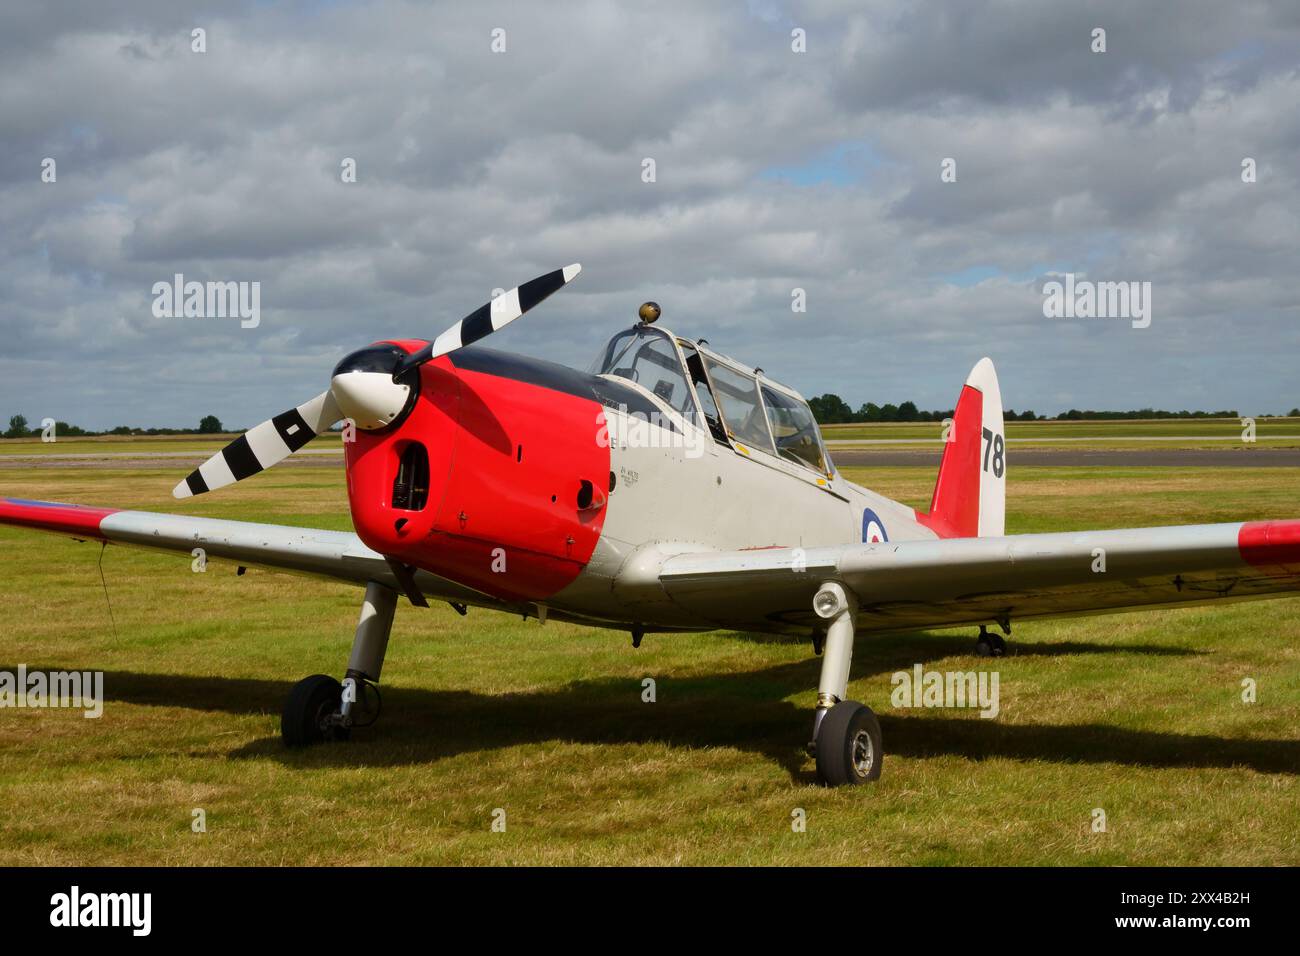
{"points": [[339, 555], [961, 581]]}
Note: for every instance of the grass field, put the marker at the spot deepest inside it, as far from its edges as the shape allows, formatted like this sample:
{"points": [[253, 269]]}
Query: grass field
{"points": [[1137, 715], [116, 445]]}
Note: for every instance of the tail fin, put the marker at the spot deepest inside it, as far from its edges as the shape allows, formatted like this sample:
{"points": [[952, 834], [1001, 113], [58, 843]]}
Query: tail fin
{"points": [[970, 496]]}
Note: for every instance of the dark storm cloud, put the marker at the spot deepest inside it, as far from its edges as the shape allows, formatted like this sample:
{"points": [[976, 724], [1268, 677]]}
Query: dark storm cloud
{"points": [[775, 170]]}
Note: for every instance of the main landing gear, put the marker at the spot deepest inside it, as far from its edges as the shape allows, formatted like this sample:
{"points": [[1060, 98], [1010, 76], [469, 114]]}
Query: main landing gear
{"points": [[846, 735], [319, 708]]}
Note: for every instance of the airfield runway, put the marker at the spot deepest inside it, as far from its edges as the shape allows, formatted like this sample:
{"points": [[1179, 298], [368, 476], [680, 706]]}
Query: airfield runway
{"points": [[183, 460], [1104, 458]]}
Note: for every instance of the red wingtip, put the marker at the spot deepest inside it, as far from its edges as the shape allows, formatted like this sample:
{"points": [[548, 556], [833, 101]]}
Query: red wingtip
{"points": [[79, 521]]}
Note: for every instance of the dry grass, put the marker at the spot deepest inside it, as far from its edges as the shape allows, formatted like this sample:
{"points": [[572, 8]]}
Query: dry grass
{"points": [[1138, 715]]}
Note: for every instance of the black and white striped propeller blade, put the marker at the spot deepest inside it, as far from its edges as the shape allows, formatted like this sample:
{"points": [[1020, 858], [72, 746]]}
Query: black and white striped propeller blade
{"points": [[262, 446], [363, 390], [491, 317]]}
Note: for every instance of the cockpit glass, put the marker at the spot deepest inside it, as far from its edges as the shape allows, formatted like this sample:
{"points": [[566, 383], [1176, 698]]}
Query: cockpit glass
{"points": [[649, 358], [737, 393], [703, 392], [795, 429]]}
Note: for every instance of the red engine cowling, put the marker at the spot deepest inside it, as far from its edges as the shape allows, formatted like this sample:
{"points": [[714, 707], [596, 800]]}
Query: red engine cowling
{"points": [[493, 481]]}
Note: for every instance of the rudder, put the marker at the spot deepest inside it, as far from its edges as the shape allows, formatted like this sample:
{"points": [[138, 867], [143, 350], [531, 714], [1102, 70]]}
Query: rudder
{"points": [[970, 494]]}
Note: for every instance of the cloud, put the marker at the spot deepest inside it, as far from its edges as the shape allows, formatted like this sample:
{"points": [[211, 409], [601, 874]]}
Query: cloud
{"points": [[775, 170]]}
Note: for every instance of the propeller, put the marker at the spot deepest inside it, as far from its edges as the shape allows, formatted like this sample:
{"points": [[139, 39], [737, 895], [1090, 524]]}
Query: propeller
{"points": [[373, 387], [491, 317]]}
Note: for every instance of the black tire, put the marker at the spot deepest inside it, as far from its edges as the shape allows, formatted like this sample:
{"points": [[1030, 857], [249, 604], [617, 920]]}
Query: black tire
{"points": [[850, 748], [311, 700], [990, 645]]}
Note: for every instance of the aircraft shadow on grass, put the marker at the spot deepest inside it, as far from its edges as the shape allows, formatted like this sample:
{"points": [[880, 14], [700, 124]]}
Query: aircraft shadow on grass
{"points": [[744, 711], [916, 646]]}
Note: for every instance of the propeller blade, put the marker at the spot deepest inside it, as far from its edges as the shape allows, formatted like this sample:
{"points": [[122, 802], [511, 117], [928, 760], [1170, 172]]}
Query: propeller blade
{"points": [[262, 446], [491, 317], [273, 441]]}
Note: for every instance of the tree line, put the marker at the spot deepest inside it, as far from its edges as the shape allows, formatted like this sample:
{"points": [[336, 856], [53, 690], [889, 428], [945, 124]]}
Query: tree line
{"points": [[830, 409], [19, 428]]}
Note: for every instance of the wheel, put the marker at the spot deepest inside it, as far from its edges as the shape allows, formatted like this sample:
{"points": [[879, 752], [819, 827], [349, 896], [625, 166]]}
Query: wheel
{"points": [[312, 700], [990, 645], [849, 745]]}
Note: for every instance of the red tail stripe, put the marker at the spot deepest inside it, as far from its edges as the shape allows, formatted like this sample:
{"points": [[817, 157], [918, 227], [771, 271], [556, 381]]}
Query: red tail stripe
{"points": [[955, 507]]}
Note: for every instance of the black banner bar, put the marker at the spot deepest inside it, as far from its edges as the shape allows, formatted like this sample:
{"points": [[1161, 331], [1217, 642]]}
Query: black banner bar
{"points": [[211, 905]]}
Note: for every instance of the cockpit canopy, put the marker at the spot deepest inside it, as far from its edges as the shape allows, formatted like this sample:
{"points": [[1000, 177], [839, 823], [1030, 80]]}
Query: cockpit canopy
{"points": [[648, 357], [737, 405]]}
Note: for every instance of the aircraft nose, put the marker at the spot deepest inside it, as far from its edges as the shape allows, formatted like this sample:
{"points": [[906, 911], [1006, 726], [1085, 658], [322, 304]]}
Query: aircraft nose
{"points": [[364, 389]]}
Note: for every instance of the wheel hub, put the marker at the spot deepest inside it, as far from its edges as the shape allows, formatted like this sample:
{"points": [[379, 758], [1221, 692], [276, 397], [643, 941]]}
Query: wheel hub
{"points": [[864, 753]]}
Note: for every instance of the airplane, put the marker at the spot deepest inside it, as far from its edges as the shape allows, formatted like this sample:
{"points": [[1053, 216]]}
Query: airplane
{"points": [[668, 488]]}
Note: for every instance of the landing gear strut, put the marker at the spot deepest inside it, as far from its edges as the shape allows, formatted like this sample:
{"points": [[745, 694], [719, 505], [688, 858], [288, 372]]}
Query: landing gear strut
{"points": [[319, 708], [846, 735]]}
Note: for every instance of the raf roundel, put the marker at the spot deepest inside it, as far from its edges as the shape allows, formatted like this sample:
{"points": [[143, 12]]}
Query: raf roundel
{"points": [[873, 529]]}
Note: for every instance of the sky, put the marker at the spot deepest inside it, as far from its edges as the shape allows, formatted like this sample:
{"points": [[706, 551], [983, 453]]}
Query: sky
{"points": [[775, 170]]}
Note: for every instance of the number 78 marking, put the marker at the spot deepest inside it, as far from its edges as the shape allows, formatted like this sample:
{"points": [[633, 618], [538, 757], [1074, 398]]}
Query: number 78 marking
{"points": [[993, 443]]}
